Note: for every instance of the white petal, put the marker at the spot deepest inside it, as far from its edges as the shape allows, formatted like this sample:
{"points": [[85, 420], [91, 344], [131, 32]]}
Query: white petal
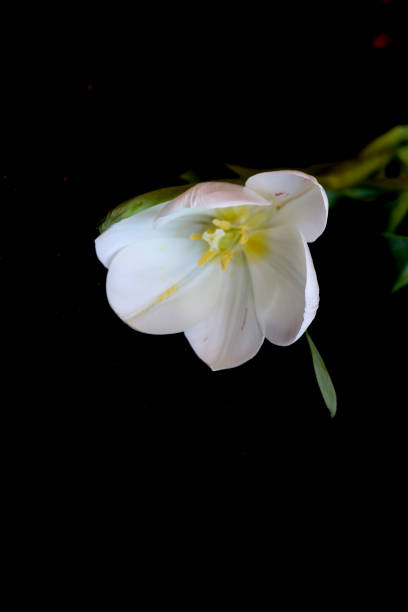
{"points": [[301, 202], [211, 195], [285, 285], [230, 334], [156, 286], [191, 302], [126, 232], [142, 227], [311, 292], [196, 221]]}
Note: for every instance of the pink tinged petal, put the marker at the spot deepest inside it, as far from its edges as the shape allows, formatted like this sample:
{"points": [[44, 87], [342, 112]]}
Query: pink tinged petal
{"points": [[300, 200], [156, 286], [285, 285], [213, 195], [230, 334]]}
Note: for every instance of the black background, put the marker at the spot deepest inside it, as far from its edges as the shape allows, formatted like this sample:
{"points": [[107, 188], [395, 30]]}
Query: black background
{"points": [[99, 413]]}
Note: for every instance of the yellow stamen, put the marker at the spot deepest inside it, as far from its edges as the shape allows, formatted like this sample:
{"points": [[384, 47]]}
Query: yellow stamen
{"points": [[207, 257], [225, 259], [225, 225], [244, 235], [196, 236]]}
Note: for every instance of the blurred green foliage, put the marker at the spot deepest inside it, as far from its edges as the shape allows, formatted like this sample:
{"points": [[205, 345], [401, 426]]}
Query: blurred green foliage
{"points": [[381, 168]]}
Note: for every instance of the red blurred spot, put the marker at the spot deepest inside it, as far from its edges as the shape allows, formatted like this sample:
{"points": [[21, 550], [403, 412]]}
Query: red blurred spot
{"points": [[4, 178], [90, 86], [65, 179], [381, 41], [385, 1], [279, 193]]}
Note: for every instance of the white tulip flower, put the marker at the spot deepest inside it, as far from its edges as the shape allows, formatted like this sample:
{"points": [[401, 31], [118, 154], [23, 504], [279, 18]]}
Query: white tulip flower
{"points": [[226, 264]]}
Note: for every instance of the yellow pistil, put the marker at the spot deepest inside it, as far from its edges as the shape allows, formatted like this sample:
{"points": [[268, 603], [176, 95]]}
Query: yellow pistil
{"points": [[225, 225], [206, 257], [225, 259], [233, 229], [213, 237]]}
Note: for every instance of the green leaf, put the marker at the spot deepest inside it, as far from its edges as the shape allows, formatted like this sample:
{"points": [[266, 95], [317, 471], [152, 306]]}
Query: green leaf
{"points": [[402, 279], [190, 176], [139, 203], [394, 184], [399, 248], [361, 192], [316, 169], [323, 378], [398, 212], [392, 139], [333, 196], [354, 171], [372, 159], [403, 155], [242, 172]]}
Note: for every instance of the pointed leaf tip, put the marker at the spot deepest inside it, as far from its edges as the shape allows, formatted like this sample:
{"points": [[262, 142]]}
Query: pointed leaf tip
{"points": [[399, 248], [243, 173], [398, 212], [323, 378]]}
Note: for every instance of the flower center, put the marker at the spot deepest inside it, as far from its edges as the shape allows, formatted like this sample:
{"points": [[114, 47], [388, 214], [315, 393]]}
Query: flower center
{"points": [[223, 240]]}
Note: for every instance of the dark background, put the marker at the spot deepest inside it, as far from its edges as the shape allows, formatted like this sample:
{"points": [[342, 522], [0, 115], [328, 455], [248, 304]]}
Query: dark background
{"points": [[100, 413]]}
